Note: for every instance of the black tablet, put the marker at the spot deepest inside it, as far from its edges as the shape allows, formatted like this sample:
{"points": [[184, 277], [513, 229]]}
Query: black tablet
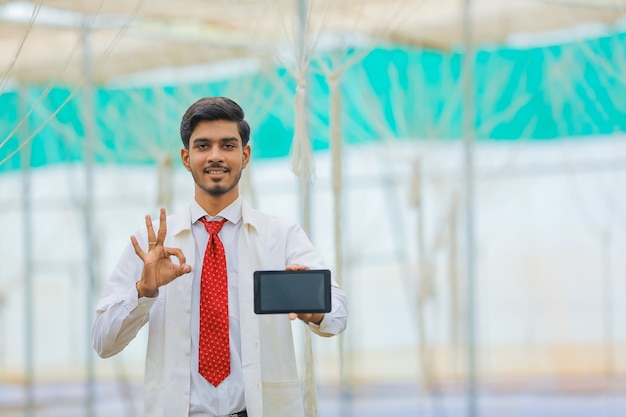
{"points": [[292, 291]]}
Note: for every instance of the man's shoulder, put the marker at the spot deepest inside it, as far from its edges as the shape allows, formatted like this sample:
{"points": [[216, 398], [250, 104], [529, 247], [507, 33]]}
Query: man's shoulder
{"points": [[269, 218], [262, 220]]}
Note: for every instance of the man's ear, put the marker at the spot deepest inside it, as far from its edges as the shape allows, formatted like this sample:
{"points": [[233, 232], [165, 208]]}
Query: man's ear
{"points": [[184, 156], [246, 155]]}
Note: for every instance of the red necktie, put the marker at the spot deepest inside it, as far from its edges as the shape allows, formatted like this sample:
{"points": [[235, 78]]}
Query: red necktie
{"points": [[214, 351]]}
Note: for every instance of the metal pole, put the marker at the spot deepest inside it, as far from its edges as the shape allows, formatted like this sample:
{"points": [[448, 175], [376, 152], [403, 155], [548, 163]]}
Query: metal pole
{"points": [[468, 142], [305, 190], [27, 219], [88, 120], [608, 304], [337, 175], [305, 198]]}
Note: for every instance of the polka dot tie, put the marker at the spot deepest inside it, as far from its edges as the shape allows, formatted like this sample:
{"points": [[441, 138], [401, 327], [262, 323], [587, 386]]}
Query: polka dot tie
{"points": [[214, 351]]}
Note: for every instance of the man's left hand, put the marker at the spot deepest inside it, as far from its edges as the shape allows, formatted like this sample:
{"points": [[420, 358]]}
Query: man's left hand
{"points": [[315, 318]]}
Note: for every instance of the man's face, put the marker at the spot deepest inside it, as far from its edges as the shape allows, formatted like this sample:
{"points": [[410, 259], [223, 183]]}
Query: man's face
{"points": [[216, 157]]}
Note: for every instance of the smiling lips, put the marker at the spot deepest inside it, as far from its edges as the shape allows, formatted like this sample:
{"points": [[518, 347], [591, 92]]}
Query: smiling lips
{"points": [[215, 171]]}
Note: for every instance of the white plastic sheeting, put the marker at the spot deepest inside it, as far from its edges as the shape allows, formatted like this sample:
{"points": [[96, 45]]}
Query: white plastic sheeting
{"points": [[550, 228]]}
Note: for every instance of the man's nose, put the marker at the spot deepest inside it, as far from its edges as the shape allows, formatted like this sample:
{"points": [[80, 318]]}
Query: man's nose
{"points": [[215, 154]]}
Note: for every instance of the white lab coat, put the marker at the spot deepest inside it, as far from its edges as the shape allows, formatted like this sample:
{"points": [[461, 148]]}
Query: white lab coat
{"points": [[272, 386]]}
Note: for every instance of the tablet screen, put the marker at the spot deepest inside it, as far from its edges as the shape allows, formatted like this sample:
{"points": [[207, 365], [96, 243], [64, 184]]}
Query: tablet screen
{"points": [[292, 291]]}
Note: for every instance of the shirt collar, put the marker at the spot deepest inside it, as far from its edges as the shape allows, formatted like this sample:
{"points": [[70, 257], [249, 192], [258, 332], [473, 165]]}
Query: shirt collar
{"points": [[232, 212]]}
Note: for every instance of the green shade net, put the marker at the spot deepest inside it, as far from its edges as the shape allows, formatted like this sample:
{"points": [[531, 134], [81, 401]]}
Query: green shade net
{"points": [[552, 92]]}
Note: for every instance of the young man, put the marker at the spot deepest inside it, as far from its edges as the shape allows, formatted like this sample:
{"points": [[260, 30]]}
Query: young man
{"points": [[162, 278]]}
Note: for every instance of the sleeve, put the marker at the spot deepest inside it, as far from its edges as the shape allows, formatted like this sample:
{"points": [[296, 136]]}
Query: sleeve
{"points": [[300, 250], [336, 321], [120, 313]]}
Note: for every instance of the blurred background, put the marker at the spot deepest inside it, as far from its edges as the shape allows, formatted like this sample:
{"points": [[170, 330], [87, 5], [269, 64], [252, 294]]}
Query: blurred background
{"points": [[459, 164]]}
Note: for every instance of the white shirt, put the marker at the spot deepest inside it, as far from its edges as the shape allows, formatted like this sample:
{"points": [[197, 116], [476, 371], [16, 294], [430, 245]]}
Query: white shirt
{"points": [[228, 397]]}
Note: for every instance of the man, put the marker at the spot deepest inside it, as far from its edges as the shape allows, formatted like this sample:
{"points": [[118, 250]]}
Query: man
{"points": [[160, 278]]}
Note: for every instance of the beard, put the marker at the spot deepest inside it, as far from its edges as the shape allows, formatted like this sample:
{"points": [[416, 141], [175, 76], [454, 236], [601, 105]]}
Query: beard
{"points": [[216, 189]]}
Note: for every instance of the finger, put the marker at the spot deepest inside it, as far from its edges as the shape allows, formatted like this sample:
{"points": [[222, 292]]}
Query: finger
{"points": [[162, 227], [296, 267], [181, 270], [178, 253], [292, 316], [315, 318], [150, 229], [184, 269], [138, 249]]}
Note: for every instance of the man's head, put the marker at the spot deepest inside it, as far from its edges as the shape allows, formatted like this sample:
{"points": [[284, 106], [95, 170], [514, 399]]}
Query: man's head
{"points": [[216, 151], [213, 108]]}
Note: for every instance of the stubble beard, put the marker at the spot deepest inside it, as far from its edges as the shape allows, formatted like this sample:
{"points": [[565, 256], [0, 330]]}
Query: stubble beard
{"points": [[217, 189]]}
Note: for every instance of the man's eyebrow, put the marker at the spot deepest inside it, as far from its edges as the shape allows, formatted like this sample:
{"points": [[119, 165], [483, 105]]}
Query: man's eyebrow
{"points": [[226, 139]]}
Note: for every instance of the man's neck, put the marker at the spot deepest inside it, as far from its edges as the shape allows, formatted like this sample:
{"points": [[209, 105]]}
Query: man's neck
{"points": [[214, 204]]}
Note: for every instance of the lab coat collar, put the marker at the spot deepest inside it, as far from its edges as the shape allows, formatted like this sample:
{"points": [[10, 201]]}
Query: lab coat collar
{"points": [[183, 220]]}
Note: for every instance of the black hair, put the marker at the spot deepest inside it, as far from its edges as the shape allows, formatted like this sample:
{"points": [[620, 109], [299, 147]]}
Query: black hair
{"points": [[213, 108]]}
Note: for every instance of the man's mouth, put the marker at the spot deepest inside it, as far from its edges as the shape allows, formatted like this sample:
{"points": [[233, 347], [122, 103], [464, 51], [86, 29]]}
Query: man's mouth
{"points": [[215, 171]]}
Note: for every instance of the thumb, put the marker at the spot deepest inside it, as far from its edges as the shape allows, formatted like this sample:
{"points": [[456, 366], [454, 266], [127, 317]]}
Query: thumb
{"points": [[184, 269]]}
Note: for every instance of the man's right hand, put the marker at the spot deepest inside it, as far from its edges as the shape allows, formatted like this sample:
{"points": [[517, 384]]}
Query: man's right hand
{"points": [[158, 268]]}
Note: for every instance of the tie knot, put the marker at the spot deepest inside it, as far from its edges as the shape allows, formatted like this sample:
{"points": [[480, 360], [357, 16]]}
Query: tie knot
{"points": [[212, 227]]}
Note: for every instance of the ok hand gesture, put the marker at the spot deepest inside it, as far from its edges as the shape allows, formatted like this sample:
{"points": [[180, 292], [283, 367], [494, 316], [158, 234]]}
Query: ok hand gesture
{"points": [[158, 268]]}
